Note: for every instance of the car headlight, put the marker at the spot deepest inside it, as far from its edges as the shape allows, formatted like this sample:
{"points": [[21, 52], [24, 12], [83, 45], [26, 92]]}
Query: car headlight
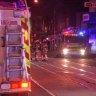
{"points": [[82, 51], [65, 51]]}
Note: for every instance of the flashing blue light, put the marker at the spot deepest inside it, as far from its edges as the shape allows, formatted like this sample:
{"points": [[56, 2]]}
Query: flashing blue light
{"points": [[81, 33], [21, 4]]}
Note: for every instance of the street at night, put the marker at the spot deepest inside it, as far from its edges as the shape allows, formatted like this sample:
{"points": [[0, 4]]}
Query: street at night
{"points": [[64, 77], [47, 47]]}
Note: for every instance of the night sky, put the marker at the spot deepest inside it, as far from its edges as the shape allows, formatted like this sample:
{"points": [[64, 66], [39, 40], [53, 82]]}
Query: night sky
{"points": [[64, 6], [60, 8]]}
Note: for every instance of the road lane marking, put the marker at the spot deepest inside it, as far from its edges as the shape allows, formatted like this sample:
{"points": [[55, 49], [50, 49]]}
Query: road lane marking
{"points": [[49, 92], [53, 66], [85, 85], [82, 66], [77, 62], [71, 67], [85, 74], [73, 72], [45, 69], [82, 70]]}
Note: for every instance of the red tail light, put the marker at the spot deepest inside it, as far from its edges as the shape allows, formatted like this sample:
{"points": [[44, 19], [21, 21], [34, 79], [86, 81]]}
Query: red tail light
{"points": [[15, 85]]}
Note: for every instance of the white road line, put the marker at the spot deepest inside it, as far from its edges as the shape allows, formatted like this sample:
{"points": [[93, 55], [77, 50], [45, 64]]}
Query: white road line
{"points": [[73, 73], [55, 66], [85, 86], [76, 69], [93, 80], [82, 70], [93, 60], [90, 80], [73, 68], [83, 64], [70, 67], [45, 69], [43, 87]]}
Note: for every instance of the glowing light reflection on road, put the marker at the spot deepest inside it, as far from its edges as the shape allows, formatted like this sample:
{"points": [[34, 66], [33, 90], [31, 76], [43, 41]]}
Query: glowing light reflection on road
{"points": [[66, 60], [83, 65], [65, 65], [82, 70], [82, 74]]}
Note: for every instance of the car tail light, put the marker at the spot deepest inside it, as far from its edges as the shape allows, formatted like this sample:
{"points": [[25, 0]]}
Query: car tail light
{"points": [[15, 85], [19, 85]]}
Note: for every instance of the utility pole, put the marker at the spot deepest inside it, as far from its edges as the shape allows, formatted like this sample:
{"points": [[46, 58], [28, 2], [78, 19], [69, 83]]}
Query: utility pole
{"points": [[54, 20], [54, 27]]}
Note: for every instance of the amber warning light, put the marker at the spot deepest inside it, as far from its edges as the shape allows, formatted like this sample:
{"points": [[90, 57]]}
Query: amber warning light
{"points": [[24, 85]]}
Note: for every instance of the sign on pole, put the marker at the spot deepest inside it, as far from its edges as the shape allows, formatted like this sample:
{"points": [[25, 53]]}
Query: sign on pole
{"points": [[86, 17], [89, 4]]}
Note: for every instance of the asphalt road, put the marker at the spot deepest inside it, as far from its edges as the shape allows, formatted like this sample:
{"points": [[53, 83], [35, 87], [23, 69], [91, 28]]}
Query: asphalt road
{"points": [[64, 77]]}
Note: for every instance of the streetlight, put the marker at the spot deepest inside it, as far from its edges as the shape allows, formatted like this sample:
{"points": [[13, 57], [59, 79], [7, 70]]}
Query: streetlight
{"points": [[35, 1]]}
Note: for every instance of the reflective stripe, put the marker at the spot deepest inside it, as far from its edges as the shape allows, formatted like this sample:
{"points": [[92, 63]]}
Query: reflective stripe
{"points": [[28, 62], [27, 48], [25, 30]]}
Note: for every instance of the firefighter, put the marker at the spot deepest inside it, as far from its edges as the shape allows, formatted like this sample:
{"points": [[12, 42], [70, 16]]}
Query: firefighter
{"points": [[37, 50], [44, 50]]}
